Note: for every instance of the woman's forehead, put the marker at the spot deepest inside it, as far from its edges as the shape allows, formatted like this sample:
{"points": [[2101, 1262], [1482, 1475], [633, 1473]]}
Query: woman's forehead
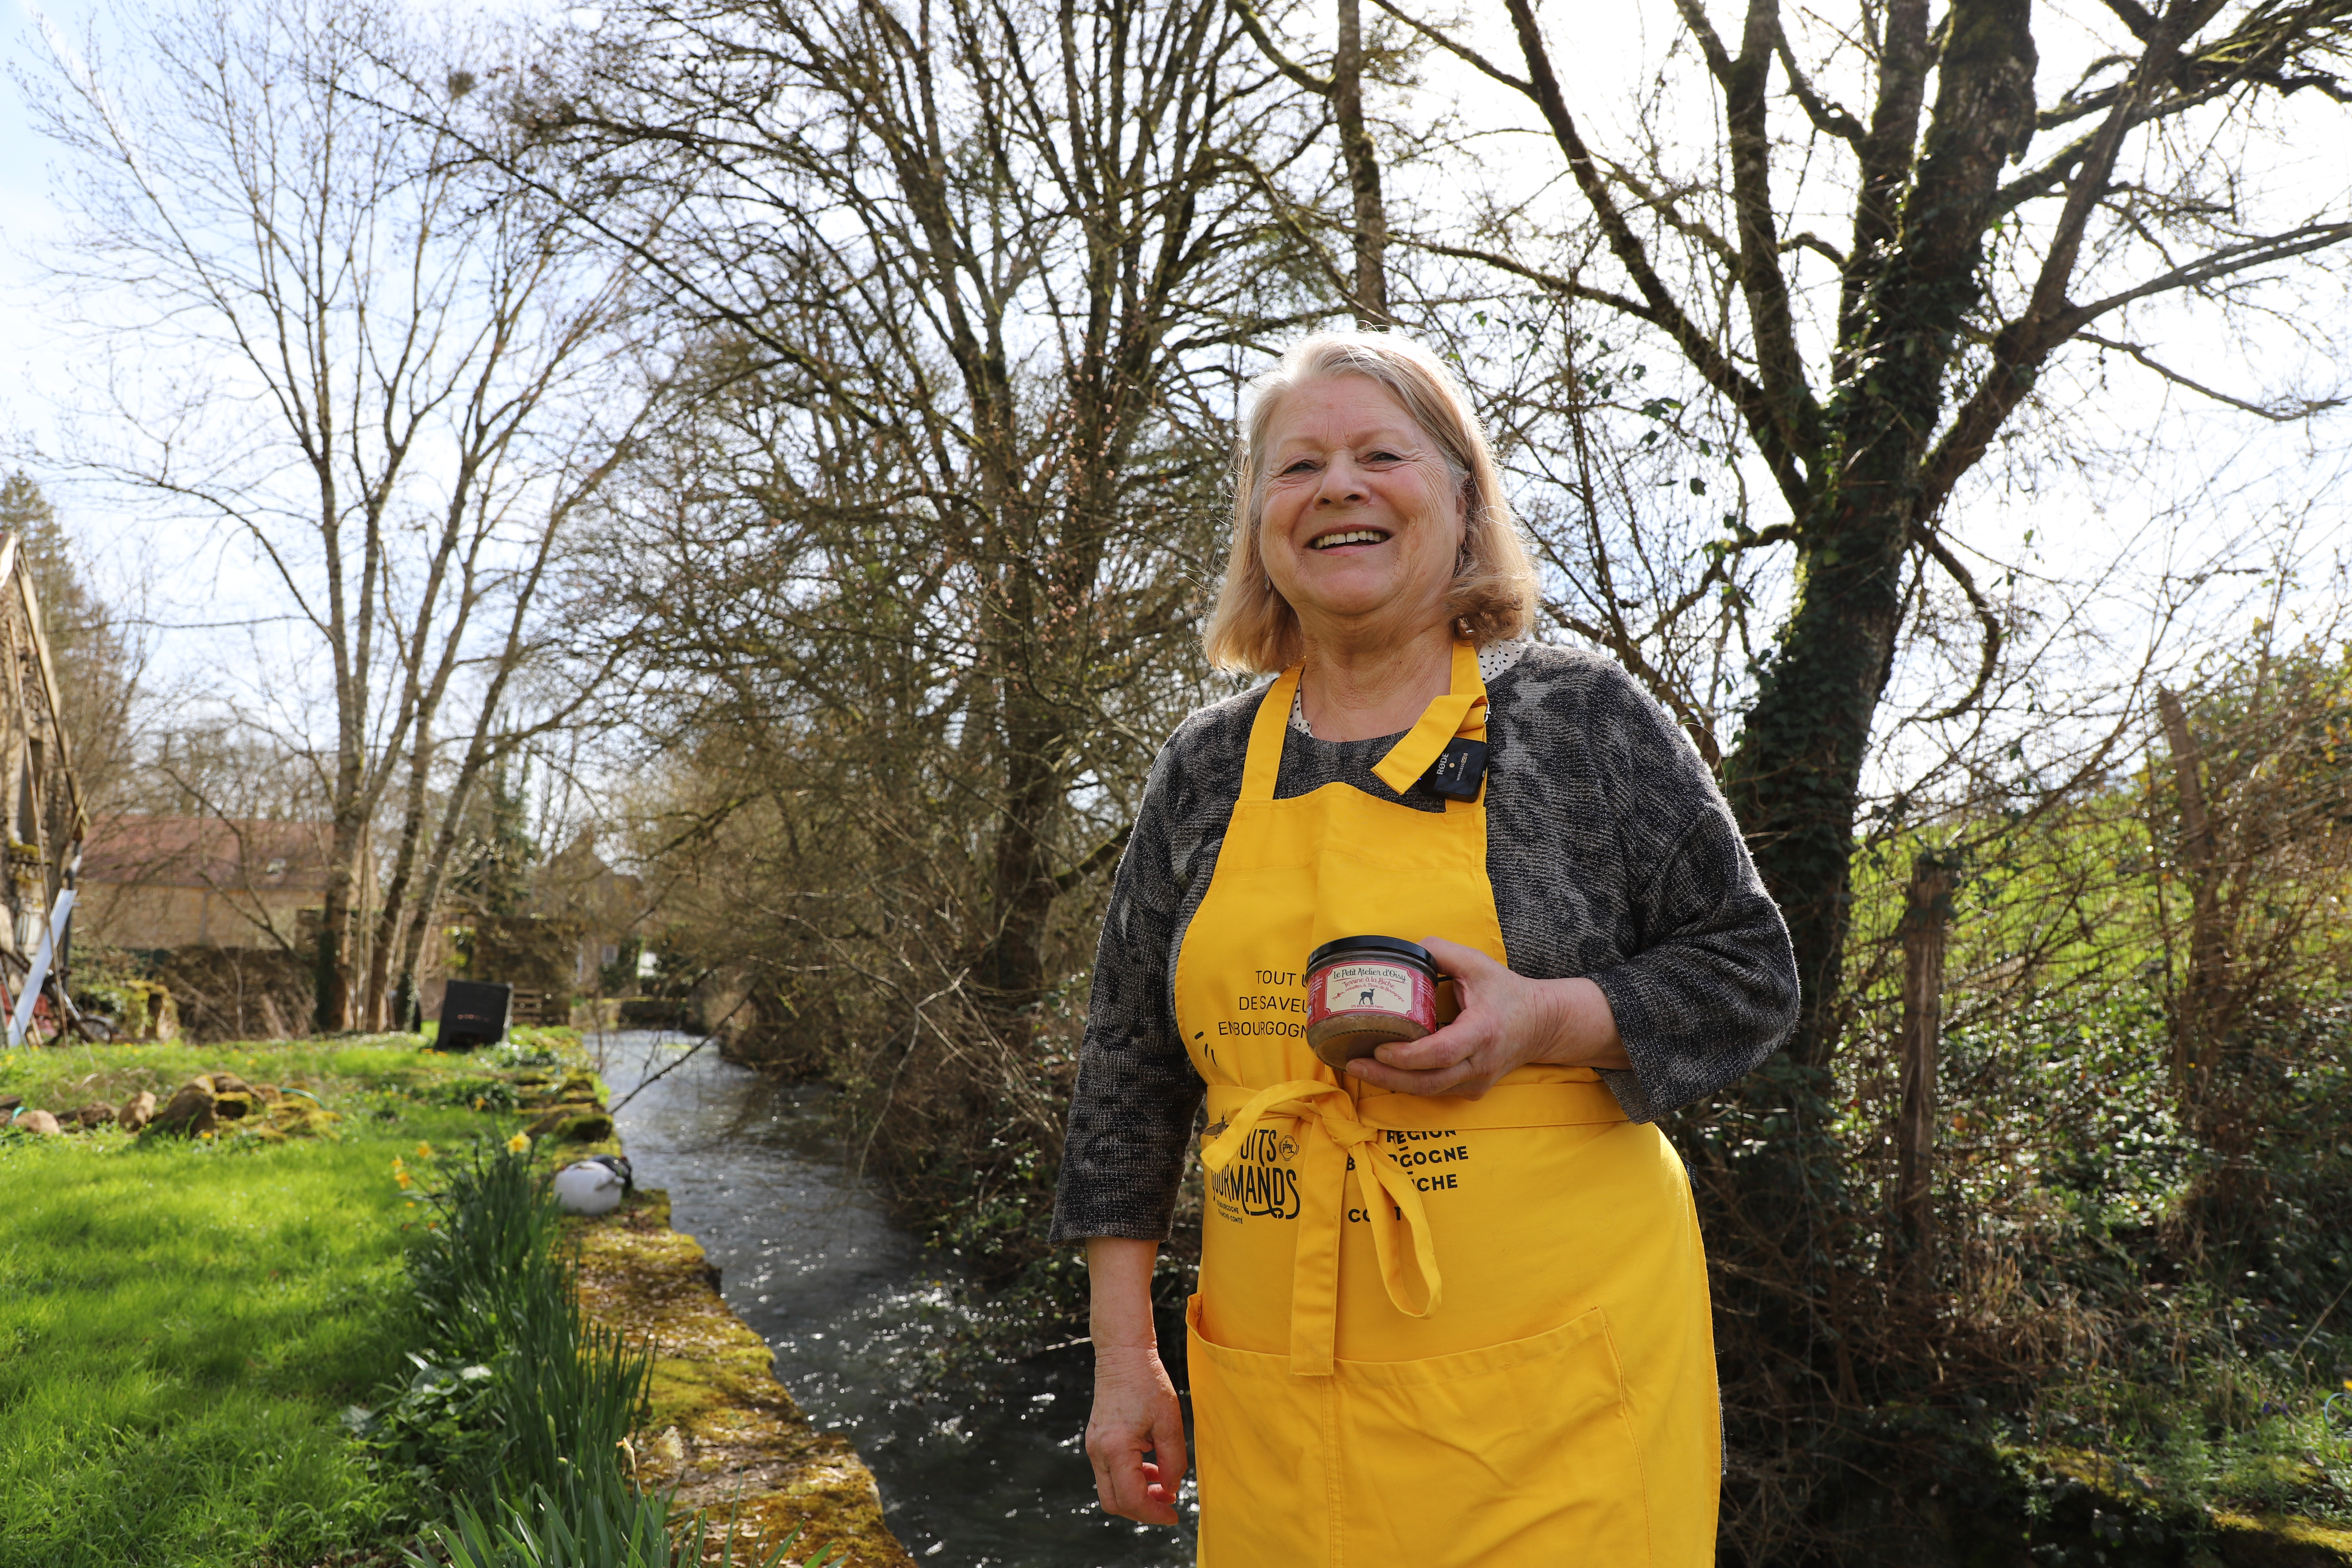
{"points": [[1338, 408]]}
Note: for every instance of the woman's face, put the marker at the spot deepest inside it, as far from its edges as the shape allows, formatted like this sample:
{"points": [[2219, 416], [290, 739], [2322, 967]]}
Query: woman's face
{"points": [[1362, 524]]}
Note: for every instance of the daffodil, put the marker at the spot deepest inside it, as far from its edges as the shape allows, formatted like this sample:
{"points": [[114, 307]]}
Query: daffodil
{"points": [[424, 1150], [519, 1142], [478, 1102]]}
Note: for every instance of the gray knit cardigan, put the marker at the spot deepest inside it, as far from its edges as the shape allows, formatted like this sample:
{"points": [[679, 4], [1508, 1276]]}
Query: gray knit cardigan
{"points": [[1612, 854]]}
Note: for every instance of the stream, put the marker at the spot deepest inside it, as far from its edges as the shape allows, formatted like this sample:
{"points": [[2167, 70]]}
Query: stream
{"points": [[980, 1473]]}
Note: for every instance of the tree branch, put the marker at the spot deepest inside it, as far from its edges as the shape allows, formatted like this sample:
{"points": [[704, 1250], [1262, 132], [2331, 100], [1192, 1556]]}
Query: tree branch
{"points": [[1462, 52], [1255, 28], [2303, 407], [1927, 539], [1827, 118]]}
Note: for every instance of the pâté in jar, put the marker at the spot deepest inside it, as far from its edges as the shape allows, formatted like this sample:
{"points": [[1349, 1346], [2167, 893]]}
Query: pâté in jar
{"points": [[1364, 990]]}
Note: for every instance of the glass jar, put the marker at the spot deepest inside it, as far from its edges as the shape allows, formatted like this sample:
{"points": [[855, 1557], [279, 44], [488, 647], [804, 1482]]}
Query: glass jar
{"points": [[1365, 991]]}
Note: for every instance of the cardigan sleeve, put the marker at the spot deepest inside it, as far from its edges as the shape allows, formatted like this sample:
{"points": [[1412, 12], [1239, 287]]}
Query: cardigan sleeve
{"points": [[1132, 1113], [1707, 987]]}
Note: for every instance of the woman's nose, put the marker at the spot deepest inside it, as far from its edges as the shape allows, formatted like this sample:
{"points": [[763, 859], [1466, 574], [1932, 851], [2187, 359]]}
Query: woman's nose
{"points": [[1341, 482]]}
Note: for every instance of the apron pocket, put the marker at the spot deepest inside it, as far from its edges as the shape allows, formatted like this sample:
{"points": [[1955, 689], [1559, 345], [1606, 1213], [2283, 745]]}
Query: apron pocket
{"points": [[1519, 1455], [1266, 1494]]}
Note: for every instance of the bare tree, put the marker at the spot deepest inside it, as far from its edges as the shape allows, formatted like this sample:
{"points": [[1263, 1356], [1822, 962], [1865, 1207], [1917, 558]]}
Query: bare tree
{"points": [[969, 287], [1988, 236], [385, 365]]}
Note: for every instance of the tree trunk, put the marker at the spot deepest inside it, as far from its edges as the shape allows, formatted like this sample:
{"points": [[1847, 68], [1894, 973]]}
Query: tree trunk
{"points": [[381, 1010], [333, 972], [1795, 777], [1926, 913], [1370, 233]]}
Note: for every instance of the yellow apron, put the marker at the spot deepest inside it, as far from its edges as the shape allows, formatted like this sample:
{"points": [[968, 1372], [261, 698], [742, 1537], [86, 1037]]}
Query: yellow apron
{"points": [[1434, 1331]]}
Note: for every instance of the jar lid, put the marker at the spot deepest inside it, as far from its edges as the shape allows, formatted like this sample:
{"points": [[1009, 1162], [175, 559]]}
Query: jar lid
{"points": [[1390, 946]]}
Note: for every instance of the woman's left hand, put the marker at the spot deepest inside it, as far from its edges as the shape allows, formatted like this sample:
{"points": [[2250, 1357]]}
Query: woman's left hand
{"points": [[1506, 1021]]}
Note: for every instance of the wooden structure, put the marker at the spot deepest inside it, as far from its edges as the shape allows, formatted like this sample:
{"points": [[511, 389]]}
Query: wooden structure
{"points": [[1926, 916], [46, 820]]}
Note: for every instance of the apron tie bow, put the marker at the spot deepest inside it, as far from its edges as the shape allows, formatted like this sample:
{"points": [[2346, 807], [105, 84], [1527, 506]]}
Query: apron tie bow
{"points": [[1348, 1147]]}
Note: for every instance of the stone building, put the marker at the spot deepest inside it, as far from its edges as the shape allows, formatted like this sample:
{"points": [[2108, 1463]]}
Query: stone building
{"points": [[151, 881]]}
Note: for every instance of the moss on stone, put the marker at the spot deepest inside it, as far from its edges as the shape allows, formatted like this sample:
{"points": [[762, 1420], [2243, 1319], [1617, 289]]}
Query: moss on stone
{"points": [[722, 1430], [2281, 1541], [576, 1123]]}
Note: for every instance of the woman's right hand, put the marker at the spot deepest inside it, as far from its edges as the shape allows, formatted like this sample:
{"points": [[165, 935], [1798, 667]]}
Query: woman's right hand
{"points": [[1135, 1412], [1135, 1439]]}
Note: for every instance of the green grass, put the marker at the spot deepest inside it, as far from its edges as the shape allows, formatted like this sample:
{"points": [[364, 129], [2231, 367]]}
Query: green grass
{"points": [[182, 1325]]}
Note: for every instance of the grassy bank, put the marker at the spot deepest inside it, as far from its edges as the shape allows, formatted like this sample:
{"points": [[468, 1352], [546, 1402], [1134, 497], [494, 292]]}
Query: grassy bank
{"points": [[183, 1322]]}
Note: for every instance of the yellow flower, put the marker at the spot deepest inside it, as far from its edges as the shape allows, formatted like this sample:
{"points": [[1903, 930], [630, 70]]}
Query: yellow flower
{"points": [[403, 1178], [478, 1102], [519, 1142], [424, 1150]]}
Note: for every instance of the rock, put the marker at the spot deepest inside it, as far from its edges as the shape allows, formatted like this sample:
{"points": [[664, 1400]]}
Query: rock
{"points": [[39, 1122], [228, 1083], [268, 1092], [190, 1112], [87, 1116], [137, 1112], [583, 1123], [10, 1102], [293, 1118], [580, 1089]]}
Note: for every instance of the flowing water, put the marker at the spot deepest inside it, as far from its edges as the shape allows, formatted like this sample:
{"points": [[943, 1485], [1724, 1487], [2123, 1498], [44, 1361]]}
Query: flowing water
{"points": [[975, 1473]]}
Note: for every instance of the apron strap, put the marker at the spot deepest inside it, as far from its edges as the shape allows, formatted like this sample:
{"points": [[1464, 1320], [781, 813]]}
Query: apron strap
{"points": [[1440, 722], [1461, 711], [1264, 763]]}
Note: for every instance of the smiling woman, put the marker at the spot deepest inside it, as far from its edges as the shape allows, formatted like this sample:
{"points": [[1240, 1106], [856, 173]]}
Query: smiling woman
{"points": [[1406, 451], [1474, 1330]]}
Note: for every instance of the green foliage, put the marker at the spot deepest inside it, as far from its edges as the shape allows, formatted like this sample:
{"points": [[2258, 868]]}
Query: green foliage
{"points": [[610, 1526], [514, 1389]]}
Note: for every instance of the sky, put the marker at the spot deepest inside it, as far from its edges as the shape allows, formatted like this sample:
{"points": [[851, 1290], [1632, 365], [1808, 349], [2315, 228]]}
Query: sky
{"points": [[1612, 48]]}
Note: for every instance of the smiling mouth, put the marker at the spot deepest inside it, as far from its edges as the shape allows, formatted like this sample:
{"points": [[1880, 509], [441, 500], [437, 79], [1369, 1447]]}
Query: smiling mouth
{"points": [[1347, 536]]}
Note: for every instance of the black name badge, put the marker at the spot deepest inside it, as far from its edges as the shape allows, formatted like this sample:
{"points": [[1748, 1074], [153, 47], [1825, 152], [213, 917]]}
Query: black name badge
{"points": [[1459, 770]]}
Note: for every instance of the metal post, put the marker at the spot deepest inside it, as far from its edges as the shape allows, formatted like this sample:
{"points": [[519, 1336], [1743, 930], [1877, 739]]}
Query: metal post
{"points": [[22, 1018]]}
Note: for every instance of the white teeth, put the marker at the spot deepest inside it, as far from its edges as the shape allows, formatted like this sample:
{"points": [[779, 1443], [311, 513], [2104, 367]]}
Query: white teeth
{"points": [[1357, 536]]}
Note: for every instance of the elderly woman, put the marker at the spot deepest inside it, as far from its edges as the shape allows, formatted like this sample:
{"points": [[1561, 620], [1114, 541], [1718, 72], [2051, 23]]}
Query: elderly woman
{"points": [[1452, 1305]]}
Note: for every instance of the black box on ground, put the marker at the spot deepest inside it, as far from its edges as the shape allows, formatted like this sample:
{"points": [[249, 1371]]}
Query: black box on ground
{"points": [[474, 1013]]}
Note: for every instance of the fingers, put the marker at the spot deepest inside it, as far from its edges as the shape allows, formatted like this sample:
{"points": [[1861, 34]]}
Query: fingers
{"points": [[1135, 1415], [1460, 1079], [1456, 1042], [1168, 1450]]}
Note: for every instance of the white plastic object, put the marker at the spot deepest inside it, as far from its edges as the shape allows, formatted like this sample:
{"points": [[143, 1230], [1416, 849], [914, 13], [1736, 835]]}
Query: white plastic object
{"points": [[588, 1188]]}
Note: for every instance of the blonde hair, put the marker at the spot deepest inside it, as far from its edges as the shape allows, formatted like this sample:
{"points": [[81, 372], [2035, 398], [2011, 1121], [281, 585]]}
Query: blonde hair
{"points": [[1493, 593]]}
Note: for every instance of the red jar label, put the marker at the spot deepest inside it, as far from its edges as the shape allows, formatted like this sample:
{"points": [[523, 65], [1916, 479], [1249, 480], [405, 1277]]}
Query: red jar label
{"points": [[1371, 985]]}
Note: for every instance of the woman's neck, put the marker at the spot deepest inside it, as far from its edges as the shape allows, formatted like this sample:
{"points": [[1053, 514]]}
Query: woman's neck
{"points": [[1360, 692]]}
